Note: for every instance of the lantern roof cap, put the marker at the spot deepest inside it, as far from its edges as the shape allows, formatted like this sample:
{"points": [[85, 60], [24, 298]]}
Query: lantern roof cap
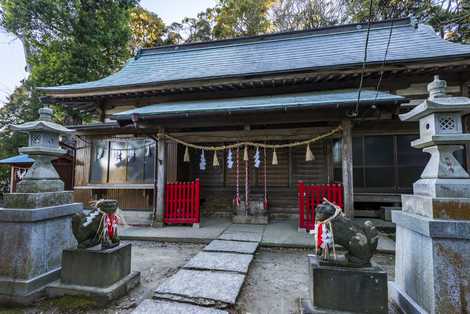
{"points": [[44, 123], [438, 101]]}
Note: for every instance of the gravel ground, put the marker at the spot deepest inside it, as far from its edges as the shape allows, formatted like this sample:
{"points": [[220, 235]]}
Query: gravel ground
{"points": [[276, 280], [279, 277]]}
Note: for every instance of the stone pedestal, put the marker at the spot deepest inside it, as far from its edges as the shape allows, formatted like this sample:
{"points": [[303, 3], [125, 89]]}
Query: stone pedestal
{"points": [[432, 271], [103, 275], [31, 242], [336, 289], [37, 200], [253, 213]]}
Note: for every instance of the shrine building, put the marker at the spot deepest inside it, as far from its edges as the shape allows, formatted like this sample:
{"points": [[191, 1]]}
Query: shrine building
{"points": [[263, 117]]}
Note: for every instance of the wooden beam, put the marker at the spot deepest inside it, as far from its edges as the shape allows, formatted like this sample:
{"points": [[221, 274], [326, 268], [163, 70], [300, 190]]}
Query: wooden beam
{"points": [[347, 168], [161, 181]]}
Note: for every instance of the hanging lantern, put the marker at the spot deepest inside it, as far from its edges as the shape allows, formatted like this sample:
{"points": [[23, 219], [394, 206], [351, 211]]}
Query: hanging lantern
{"points": [[308, 154], [275, 157], [186, 154], [245, 154], [202, 162], [257, 159], [215, 161]]}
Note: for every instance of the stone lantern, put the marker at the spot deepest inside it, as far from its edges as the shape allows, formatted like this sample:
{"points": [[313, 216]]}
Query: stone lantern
{"points": [[43, 147], [440, 127], [35, 224], [432, 270]]}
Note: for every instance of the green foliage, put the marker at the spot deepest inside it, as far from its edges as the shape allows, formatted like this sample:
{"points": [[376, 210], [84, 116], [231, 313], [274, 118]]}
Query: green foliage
{"points": [[235, 18], [288, 15], [148, 29], [69, 41]]}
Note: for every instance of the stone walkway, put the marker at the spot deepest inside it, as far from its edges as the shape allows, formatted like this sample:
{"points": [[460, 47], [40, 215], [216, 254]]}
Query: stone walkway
{"points": [[212, 279], [278, 233]]}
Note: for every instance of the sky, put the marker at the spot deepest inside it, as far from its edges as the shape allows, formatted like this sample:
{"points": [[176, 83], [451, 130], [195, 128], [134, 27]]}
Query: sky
{"points": [[12, 63]]}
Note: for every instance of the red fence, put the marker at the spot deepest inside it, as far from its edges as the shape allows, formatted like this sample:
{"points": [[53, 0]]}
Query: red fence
{"points": [[182, 203], [312, 195]]}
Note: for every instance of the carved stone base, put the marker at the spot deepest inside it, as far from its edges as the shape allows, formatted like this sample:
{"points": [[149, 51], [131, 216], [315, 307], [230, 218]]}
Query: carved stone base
{"points": [[437, 207], [31, 242], [103, 275], [346, 289], [432, 264], [37, 200], [442, 187]]}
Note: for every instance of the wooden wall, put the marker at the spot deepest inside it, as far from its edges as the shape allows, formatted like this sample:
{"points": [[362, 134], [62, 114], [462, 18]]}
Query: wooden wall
{"points": [[139, 199], [218, 184]]}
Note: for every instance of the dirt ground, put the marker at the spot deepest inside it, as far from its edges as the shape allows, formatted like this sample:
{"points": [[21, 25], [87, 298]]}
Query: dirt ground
{"points": [[279, 277], [276, 280]]}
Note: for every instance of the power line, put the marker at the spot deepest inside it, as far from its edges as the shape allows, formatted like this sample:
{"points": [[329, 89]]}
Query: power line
{"points": [[382, 67], [364, 62]]}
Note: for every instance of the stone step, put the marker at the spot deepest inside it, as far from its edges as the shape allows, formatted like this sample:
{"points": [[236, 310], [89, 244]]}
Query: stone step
{"points": [[220, 261], [137, 218], [165, 307], [206, 288], [241, 236], [232, 247]]}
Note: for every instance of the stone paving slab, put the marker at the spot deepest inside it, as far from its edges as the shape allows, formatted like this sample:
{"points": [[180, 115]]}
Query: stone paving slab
{"points": [[242, 236], [202, 286], [220, 261], [231, 247], [210, 229], [165, 307], [245, 228]]}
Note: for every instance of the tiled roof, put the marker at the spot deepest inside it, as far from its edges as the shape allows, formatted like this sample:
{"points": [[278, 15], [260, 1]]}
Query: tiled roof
{"points": [[333, 47], [260, 103]]}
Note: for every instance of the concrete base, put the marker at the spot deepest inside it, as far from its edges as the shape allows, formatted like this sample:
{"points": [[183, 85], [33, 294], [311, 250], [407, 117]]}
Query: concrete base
{"points": [[432, 264], [40, 186], [24, 292], [101, 295], [103, 275], [37, 200], [306, 307], [403, 301], [435, 187], [256, 220], [437, 207], [31, 242], [95, 267], [347, 289]]}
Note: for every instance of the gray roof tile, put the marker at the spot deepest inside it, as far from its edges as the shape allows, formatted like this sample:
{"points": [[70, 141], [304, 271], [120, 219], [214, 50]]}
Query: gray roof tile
{"points": [[325, 48], [261, 103]]}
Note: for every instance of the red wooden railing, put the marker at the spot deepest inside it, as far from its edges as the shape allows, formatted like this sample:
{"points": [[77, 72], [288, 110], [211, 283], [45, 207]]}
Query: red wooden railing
{"points": [[182, 203], [311, 195]]}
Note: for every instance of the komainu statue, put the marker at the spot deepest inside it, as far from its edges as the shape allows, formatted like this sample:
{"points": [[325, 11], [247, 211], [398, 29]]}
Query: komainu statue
{"points": [[99, 226], [360, 241]]}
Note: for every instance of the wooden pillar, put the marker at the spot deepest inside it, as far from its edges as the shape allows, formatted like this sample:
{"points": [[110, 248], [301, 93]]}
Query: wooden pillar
{"points": [[161, 180], [347, 167]]}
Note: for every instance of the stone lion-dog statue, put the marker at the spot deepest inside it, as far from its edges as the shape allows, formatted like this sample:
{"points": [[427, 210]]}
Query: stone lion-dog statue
{"points": [[360, 241]]}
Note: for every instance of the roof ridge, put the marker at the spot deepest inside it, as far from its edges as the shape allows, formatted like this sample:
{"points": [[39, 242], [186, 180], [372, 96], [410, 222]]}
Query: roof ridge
{"points": [[279, 36]]}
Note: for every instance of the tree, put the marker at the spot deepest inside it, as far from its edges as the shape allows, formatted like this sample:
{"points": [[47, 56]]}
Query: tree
{"points": [[450, 18], [199, 28], [69, 41], [233, 18], [147, 28], [289, 15]]}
